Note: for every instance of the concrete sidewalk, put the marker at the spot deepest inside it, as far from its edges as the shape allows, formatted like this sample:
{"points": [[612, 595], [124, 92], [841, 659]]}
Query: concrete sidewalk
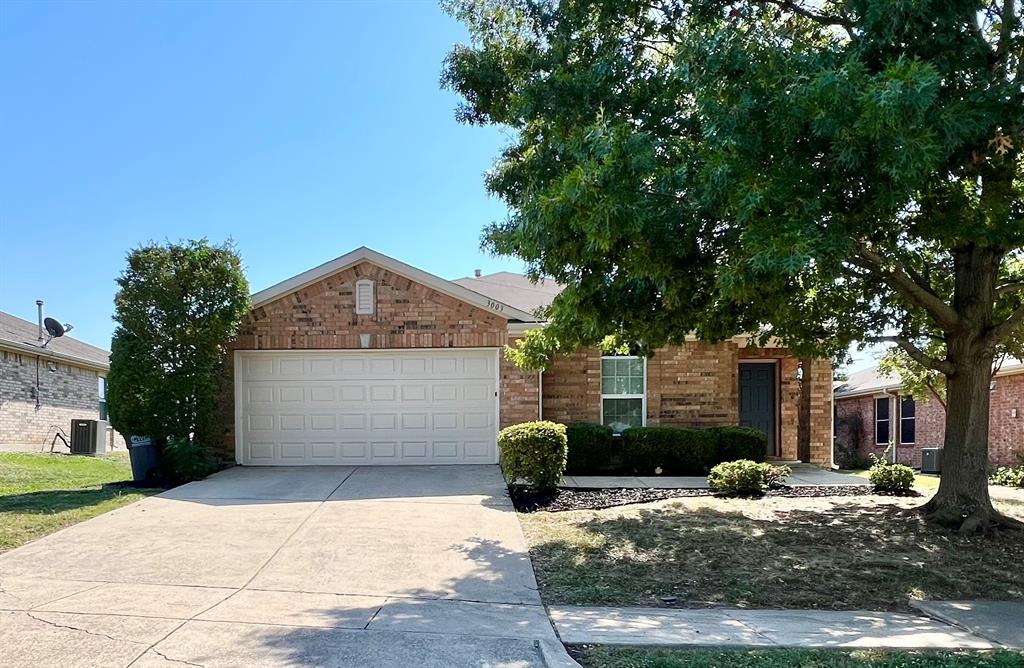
{"points": [[725, 627]]}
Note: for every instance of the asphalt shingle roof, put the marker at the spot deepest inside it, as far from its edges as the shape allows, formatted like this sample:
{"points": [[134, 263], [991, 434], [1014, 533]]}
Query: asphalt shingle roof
{"points": [[512, 289], [14, 330]]}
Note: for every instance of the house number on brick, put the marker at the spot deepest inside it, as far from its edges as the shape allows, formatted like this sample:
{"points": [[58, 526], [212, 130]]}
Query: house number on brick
{"points": [[495, 306]]}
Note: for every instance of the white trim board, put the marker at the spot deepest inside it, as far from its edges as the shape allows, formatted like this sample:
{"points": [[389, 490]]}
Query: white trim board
{"points": [[364, 254]]}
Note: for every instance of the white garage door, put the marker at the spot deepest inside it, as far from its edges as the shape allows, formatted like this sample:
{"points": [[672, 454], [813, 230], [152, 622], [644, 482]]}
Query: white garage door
{"points": [[364, 407]]}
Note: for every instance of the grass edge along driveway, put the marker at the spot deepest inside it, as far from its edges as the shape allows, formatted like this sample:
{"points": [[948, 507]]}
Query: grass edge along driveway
{"points": [[625, 657], [43, 493]]}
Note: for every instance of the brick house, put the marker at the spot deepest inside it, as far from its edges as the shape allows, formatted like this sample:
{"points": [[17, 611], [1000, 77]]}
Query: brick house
{"points": [[872, 412], [366, 359], [42, 389]]}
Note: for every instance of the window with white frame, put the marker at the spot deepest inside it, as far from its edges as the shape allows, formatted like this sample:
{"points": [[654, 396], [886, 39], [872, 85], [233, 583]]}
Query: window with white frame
{"points": [[882, 421], [364, 296], [908, 420], [623, 402]]}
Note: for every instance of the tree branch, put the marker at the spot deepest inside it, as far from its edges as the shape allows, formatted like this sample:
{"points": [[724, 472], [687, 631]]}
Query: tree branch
{"points": [[1007, 288], [935, 393], [919, 293], [918, 355], [821, 19], [1008, 326]]}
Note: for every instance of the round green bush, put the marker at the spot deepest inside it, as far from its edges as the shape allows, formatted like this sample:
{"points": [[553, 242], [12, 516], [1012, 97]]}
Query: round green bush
{"points": [[535, 452], [891, 478], [746, 477], [591, 447]]}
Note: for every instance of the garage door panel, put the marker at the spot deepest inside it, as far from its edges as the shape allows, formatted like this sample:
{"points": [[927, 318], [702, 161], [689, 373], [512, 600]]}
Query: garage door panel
{"points": [[327, 422], [291, 394], [347, 407], [322, 393]]}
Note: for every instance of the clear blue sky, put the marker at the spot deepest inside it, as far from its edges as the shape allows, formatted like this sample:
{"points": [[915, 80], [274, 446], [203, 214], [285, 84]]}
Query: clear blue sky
{"points": [[302, 130]]}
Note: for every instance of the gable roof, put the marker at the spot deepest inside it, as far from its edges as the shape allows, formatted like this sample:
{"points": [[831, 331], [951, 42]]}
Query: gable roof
{"points": [[872, 381], [23, 336], [364, 254], [514, 289]]}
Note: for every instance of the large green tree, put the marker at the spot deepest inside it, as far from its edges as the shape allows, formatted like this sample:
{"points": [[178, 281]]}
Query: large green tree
{"points": [[177, 306], [820, 172]]}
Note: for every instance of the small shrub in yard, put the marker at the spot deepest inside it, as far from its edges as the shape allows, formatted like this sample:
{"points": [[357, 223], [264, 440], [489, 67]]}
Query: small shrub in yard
{"points": [[890, 478], [1008, 476], [746, 477], [591, 447], [534, 451], [182, 461]]}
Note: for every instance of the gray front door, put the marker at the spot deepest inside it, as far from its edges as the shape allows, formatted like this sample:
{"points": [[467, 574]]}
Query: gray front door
{"points": [[757, 399]]}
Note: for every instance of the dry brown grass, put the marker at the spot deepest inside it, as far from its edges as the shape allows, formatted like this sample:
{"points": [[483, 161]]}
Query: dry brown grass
{"points": [[838, 553]]}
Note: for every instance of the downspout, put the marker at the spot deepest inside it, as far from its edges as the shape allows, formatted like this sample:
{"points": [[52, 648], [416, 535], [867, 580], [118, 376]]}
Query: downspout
{"points": [[540, 395], [39, 310], [832, 431]]}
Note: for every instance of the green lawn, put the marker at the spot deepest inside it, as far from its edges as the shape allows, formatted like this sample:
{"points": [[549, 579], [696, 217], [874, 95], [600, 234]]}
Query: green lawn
{"points": [[610, 657], [865, 552], [42, 493]]}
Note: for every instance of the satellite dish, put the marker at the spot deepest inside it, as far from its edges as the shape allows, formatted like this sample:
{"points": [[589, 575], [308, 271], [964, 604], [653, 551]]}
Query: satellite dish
{"points": [[53, 328]]}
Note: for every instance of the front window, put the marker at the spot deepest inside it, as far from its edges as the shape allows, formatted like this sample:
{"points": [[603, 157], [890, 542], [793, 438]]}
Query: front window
{"points": [[908, 422], [622, 392], [882, 421], [103, 397]]}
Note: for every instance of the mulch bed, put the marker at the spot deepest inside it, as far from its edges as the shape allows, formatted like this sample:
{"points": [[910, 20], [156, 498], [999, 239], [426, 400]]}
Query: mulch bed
{"points": [[560, 500]]}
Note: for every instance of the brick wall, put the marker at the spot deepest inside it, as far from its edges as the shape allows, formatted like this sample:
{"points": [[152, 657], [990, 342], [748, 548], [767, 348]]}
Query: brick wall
{"points": [[520, 393], [67, 393], [1006, 433], [696, 385], [572, 387], [407, 315], [693, 385]]}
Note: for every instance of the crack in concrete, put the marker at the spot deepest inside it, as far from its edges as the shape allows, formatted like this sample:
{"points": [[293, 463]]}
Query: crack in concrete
{"points": [[173, 660], [80, 630]]}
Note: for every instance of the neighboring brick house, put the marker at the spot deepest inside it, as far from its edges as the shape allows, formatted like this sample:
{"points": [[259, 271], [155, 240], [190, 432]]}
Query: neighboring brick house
{"points": [[368, 360], [871, 410], [43, 389]]}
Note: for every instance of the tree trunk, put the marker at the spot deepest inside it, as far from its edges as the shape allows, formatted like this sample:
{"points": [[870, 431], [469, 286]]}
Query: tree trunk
{"points": [[963, 501]]}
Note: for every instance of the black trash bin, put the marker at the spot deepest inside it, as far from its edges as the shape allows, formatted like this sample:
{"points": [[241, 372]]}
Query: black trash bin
{"points": [[143, 454]]}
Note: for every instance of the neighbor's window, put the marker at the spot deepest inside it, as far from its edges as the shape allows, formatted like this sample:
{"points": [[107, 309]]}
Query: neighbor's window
{"points": [[908, 422], [882, 421], [103, 397], [622, 392]]}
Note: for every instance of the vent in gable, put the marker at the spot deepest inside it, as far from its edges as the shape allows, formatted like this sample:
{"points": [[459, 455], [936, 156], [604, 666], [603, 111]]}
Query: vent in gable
{"points": [[364, 297]]}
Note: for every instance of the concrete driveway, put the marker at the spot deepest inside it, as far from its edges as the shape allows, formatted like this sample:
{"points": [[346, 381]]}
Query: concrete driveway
{"points": [[325, 566]]}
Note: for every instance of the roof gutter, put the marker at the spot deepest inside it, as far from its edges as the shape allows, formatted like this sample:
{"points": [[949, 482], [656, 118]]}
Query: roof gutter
{"points": [[47, 353]]}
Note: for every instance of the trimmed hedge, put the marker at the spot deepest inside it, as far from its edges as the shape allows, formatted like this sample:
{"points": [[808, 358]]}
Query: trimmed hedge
{"points": [[736, 443], [591, 448], [535, 452], [681, 451]]}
